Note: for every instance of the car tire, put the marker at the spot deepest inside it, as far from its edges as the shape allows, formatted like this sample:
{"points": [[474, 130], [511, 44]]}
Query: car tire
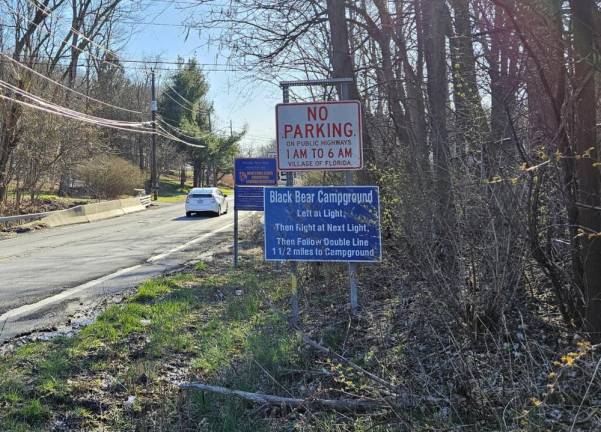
{"points": [[188, 214]]}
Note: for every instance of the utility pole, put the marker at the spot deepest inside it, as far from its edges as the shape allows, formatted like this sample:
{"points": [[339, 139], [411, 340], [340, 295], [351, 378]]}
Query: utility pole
{"points": [[153, 151]]}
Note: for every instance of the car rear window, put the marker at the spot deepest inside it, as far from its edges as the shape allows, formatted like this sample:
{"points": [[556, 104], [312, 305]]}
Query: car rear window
{"points": [[202, 196]]}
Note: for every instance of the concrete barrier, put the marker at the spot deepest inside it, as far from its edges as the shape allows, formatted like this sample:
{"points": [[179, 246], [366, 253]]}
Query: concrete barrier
{"points": [[103, 210], [74, 215], [93, 212], [132, 205]]}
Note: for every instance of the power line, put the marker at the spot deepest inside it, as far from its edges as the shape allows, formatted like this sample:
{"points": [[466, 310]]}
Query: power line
{"points": [[49, 12], [178, 103], [50, 108], [191, 108], [67, 111], [37, 26], [140, 68], [183, 98], [172, 137], [227, 67], [198, 4], [230, 68], [180, 132], [50, 111], [68, 88], [187, 26]]}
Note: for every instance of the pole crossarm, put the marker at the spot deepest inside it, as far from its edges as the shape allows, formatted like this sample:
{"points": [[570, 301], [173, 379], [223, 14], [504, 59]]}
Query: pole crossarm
{"points": [[315, 82]]}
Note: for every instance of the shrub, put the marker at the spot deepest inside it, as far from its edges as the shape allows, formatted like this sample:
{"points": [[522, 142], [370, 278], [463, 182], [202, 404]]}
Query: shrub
{"points": [[108, 176]]}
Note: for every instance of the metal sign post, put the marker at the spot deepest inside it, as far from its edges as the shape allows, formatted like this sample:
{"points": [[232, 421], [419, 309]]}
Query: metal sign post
{"points": [[352, 267], [353, 136], [294, 305], [235, 235], [250, 176]]}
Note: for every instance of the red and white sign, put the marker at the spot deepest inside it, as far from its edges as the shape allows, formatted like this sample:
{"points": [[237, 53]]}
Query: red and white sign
{"points": [[319, 136]]}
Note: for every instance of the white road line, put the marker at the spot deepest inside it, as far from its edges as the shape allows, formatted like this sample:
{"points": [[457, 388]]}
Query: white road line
{"points": [[190, 243], [25, 309], [60, 296]]}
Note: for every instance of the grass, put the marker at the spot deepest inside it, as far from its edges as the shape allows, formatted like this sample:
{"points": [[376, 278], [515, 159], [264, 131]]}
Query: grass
{"points": [[206, 321], [210, 324], [171, 192], [226, 191]]}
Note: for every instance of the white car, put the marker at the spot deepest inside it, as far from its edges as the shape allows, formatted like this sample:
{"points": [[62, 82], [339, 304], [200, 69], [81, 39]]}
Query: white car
{"points": [[209, 199]]}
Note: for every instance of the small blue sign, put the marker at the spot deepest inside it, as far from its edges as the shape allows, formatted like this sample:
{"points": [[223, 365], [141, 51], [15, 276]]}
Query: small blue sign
{"points": [[322, 224], [255, 172], [248, 198]]}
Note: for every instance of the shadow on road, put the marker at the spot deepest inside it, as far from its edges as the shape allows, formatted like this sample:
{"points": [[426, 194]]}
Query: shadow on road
{"points": [[195, 217]]}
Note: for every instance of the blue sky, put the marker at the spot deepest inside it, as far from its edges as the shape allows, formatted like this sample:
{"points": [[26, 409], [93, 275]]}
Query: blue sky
{"points": [[235, 97]]}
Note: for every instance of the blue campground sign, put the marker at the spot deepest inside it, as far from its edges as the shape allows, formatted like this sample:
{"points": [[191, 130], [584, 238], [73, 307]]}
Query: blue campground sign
{"points": [[322, 224], [255, 172]]}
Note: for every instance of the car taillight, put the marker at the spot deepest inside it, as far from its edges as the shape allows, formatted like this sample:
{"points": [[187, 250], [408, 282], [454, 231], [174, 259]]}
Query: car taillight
{"points": [[188, 198]]}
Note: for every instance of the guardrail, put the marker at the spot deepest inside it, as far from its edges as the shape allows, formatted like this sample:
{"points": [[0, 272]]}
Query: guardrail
{"points": [[23, 218], [145, 201]]}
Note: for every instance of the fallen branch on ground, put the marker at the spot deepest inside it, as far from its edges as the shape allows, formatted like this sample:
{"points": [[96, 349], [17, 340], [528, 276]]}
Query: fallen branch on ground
{"points": [[338, 404]]}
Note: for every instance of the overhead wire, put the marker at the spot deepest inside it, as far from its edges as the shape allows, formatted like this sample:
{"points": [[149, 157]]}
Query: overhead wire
{"points": [[49, 107], [189, 109], [37, 26], [229, 67], [169, 86], [68, 88], [51, 111], [113, 53], [181, 132], [174, 138], [178, 103], [49, 12], [40, 104], [67, 111], [141, 68]]}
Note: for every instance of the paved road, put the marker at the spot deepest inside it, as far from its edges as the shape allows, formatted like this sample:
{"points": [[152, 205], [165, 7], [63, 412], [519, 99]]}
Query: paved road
{"points": [[48, 275]]}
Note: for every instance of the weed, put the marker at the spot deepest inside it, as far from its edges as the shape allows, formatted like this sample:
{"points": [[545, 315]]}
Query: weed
{"points": [[201, 266], [152, 289], [12, 391], [33, 412]]}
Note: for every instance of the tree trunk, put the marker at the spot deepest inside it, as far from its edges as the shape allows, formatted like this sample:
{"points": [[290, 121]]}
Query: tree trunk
{"points": [[342, 61], [182, 177], [9, 138], [65, 183], [196, 182], [437, 84], [589, 183], [470, 116], [140, 154]]}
